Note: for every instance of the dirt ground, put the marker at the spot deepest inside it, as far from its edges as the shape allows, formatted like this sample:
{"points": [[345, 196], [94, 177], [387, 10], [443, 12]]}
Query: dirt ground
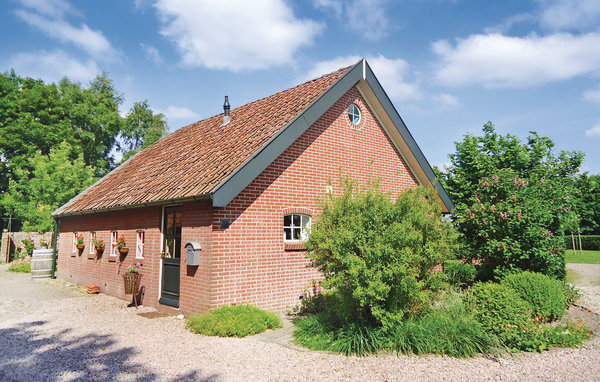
{"points": [[584, 274]]}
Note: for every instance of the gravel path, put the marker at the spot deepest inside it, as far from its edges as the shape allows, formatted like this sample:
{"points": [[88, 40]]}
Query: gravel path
{"points": [[96, 338]]}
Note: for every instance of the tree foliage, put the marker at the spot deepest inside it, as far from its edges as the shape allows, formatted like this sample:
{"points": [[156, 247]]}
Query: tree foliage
{"points": [[376, 254], [587, 203], [55, 179], [514, 201], [37, 118]]}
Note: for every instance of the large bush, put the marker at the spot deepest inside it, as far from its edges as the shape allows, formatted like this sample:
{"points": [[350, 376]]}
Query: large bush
{"points": [[545, 295], [376, 254], [514, 224], [460, 274]]}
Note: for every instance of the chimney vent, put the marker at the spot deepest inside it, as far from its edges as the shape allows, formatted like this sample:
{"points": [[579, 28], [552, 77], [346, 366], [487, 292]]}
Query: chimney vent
{"points": [[226, 108]]}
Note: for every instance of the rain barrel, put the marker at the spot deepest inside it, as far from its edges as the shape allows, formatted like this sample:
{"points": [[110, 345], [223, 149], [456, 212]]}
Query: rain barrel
{"points": [[41, 264]]}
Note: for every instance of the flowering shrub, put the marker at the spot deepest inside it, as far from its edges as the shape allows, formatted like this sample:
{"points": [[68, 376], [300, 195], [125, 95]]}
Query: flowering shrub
{"points": [[513, 224], [134, 268]]}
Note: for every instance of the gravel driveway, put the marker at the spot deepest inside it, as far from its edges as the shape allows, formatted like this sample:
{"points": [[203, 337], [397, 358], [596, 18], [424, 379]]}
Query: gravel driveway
{"points": [[77, 337]]}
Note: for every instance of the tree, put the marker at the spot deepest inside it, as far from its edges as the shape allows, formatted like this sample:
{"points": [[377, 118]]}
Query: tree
{"points": [[142, 128], [514, 201], [55, 179], [94, 119], [587, 203], [376, 254]]}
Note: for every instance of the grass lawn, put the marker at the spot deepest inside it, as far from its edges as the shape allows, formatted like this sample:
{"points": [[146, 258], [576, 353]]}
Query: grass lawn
{"points": [[588, 257]]}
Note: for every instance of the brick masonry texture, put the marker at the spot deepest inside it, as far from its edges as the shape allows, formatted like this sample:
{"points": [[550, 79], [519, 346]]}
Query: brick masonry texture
{"points": [[248, 261]]}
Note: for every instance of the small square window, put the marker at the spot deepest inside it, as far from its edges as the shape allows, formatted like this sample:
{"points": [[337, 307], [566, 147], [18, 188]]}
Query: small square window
{"points": [[296, 227]]}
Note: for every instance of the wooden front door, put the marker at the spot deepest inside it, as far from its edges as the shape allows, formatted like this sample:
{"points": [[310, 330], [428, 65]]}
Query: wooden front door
{"points": [[171, 256]]}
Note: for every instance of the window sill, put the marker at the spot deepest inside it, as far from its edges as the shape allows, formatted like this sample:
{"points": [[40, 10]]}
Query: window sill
{"points": [[294, 246]]}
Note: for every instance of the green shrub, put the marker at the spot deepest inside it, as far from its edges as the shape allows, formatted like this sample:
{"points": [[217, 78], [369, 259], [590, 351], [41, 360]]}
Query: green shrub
{"points": [[501, 312], [545, 295], [450, 332], [22, 265], [376, 253], [588, 242], [571, 293], [460, 275], [29, 246], [233, 321]]}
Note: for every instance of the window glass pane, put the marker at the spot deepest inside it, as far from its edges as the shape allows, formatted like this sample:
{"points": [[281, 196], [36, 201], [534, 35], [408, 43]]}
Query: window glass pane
{"points": [[296, 220], [287, 220], [288, 233], [296, 233]]}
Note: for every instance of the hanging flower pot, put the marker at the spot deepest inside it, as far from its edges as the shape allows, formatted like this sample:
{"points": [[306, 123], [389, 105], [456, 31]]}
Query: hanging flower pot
{"points": [[80, 246], [123, 251]]}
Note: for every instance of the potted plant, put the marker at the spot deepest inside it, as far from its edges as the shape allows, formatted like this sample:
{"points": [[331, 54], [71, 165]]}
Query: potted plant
{"points": [[79, 242], [132, 279], [99, 245], [122, 246]]}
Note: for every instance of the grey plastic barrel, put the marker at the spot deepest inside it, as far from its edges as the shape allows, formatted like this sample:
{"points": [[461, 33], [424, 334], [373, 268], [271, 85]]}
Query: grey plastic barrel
{"points": [[41, 264]]}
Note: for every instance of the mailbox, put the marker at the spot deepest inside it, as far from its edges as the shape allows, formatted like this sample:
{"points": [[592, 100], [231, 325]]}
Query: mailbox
{"points": [[192, 252]]}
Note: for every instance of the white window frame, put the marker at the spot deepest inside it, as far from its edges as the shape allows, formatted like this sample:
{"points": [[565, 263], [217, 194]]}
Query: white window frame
{"points": [[139, 248], [92, 246], [352, 114], [304, 227], [74, 241], [113, 242]]}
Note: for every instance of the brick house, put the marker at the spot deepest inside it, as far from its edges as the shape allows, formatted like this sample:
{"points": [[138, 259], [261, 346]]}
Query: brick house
{"points": [[243, 185]]}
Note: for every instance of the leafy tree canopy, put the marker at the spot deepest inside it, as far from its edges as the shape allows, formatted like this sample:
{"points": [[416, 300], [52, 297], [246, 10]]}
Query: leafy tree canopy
{"points": [[514, 201], [37, 118]]}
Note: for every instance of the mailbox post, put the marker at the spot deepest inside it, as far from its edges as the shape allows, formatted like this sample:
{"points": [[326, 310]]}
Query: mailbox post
{"points": [[192, 251]]}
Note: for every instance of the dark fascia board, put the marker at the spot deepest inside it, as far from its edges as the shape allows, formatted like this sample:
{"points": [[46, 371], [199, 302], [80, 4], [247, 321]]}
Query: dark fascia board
{"points": [[406, 135], [241, 178], [224, 193]]}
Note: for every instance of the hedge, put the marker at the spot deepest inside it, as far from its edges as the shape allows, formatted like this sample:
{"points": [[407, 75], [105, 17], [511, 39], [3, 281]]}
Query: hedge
{"points": [[588, 242]]}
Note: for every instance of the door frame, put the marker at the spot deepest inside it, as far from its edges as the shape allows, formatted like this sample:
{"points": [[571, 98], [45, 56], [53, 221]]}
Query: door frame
{"points": [[162, 249]]}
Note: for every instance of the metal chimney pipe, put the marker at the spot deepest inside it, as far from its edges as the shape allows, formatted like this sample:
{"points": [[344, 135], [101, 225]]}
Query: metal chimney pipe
{"points": [[226, 108]]}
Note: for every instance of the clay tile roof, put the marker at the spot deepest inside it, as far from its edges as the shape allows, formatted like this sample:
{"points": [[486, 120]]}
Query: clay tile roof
{"points": [[195, 159]]}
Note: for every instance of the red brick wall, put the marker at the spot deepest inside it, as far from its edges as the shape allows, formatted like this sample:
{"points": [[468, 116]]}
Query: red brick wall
{"points": [[246, 262], [250, 263], [106, 271]]}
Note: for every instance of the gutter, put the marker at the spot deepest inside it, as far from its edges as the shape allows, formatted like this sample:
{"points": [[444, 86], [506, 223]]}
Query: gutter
{"points": [[161, 202], [55, 242]]}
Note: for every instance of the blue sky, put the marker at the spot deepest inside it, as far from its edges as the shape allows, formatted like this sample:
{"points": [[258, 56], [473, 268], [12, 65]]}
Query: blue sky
{"points": [[448, 65]]}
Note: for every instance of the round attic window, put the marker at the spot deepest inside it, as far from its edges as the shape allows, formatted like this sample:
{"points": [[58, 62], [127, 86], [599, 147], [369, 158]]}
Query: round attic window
{"points": [[354, 114]]}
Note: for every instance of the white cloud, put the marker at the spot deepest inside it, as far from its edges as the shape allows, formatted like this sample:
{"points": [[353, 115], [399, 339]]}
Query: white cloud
{"points": [[447, 101], [50, 8], [594, 131], [365, 17], [53, 66], [152, 53], [235, 35], [180, 112], [391, 73], [592, 95], [91, 41], [495, 60], [569, 14]]}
